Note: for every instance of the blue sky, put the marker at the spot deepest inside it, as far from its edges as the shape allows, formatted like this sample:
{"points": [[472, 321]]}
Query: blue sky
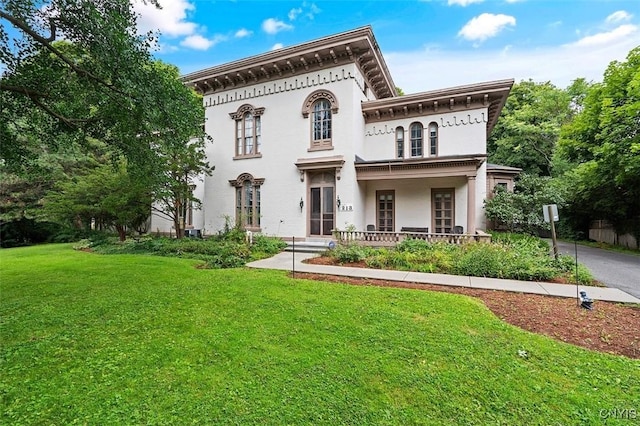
{"points": [[427, 44]]}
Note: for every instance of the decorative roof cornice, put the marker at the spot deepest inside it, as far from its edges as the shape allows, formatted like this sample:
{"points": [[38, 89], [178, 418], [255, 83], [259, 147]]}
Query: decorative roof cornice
{"points": [[492, 95], [357, 46]]}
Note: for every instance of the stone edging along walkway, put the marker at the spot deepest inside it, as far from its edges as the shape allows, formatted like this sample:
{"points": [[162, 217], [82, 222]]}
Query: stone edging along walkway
{"points": [[286, 261]]}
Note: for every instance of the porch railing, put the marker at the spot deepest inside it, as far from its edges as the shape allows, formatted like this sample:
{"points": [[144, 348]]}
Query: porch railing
{"points": [[383, 238]]}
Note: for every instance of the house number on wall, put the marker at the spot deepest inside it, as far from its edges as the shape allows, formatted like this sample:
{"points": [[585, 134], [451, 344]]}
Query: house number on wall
{"points": [[346, 208]]}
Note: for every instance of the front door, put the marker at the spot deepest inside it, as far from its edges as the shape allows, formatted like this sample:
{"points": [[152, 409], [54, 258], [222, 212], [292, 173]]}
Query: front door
{"points": [[322, 202]]}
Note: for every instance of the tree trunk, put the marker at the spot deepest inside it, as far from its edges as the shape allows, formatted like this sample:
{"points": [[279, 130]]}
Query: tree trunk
{"points": [[179, 230], [122, 232]]}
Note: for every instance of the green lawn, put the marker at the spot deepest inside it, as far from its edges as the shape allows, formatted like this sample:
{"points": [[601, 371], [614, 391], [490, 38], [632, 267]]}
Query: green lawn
{"points": [[132, 339]]}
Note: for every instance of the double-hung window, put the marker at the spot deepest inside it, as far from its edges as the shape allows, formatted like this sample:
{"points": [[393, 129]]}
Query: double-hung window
{"points": [[248, 131], [399, 142], [433, 139], [416, 131], [320, 107], [321, 122], [247, 201]]}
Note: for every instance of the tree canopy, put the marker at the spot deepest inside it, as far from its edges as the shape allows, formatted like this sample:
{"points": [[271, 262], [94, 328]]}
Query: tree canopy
{"points": [[603, 143], [80, 83], [526, 133], [96, 83]]}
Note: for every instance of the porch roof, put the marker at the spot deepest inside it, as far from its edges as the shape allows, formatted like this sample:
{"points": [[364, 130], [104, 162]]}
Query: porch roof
{"points": [[450, 166]]}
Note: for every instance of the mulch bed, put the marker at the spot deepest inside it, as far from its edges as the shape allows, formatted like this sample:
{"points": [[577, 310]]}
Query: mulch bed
{"points": [[610, 327]]}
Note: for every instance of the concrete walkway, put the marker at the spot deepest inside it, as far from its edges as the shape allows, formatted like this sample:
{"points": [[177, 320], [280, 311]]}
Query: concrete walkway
{"points": [[284, 261]]}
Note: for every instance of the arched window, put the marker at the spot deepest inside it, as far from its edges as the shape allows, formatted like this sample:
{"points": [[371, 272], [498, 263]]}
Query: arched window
{"points": [[320, 106], [248, 130], [416, 140], [433, 139], [247, 201], [399, 142], [321, 123]]}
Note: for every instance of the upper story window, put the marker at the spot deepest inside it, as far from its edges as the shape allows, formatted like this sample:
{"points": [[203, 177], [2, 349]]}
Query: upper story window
{"points": [[399, 142], [321, 105], [433, 139], [321, 122], [248, 131], [416, 140]]}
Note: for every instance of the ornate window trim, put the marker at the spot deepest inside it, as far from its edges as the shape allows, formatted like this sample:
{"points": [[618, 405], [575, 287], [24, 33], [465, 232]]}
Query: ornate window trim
{"points": [[321, 121], [243, 177], [240, 139], [307, 105], [247, 212], [243, 109]]}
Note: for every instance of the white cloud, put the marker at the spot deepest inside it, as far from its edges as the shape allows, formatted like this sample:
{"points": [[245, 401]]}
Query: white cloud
{"points": [[274, 26], [308, 10], [196, 42], [277, 46], [312, 10], [243, 32], [486, 26], [617, 17], [199, 42], [433, 68], [293, 13], [609, 37], [463, 3], [171, 20]]}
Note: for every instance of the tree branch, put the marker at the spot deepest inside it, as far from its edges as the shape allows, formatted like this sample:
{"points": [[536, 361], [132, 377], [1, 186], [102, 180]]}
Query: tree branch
{"points": [[46, 42], [22, 90], [36, 99]]}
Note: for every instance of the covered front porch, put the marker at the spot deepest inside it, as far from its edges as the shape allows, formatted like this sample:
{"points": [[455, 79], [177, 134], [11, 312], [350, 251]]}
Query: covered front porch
{"points": [[437, 197]]}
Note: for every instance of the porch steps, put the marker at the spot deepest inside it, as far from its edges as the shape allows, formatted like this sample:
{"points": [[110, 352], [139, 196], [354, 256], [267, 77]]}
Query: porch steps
{"points": [[310, 245]]}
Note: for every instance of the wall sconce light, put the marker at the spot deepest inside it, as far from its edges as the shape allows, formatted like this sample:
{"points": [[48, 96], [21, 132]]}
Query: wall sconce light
{"points": [[301, 204], [338, 202]]}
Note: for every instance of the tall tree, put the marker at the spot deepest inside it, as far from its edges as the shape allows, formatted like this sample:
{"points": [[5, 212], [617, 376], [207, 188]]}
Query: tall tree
{"points": [[96, 84], [528, 129], [180, 146], [604, 143]]}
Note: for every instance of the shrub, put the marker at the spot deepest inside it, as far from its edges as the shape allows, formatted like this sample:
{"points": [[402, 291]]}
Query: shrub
{"points": [[227, 251], [229, 255], [266, 246], [350, 253], [482, 260], [413, 245], [520, 240]]}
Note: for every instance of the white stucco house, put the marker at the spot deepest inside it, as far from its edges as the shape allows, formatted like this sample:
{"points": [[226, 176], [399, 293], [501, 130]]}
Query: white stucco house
{"points": [[314, 137]]}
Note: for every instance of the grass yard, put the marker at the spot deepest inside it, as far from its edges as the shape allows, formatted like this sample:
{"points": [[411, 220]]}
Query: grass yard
{"points": [[132, 339]]}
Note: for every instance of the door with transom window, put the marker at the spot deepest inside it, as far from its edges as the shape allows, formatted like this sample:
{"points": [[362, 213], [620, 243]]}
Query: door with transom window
{"points": [[321, 204], [442, 210]]}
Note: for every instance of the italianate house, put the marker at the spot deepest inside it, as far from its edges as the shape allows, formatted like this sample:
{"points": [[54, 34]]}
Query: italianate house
{"points": [[313, 138]]}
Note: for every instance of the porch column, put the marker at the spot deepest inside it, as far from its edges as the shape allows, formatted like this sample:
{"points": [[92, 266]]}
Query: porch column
{"points": [[471, 204]]}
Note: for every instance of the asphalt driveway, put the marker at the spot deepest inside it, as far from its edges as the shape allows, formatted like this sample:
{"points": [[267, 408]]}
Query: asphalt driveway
{"points": [[613, 269]]}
